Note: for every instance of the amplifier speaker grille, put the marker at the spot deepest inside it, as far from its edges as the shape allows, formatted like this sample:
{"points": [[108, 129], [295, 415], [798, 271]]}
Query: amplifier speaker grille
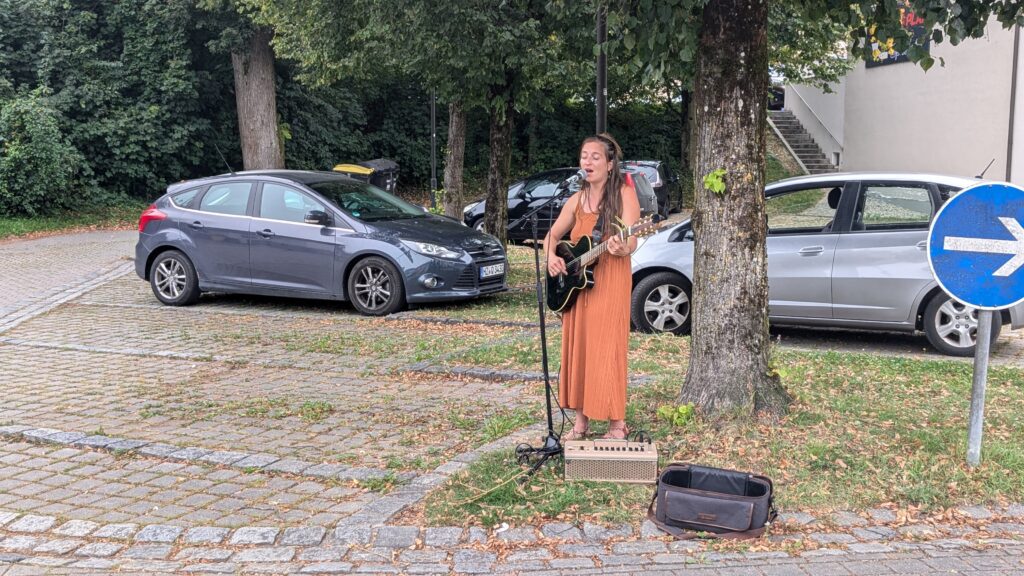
{"points": [[611, 461]]}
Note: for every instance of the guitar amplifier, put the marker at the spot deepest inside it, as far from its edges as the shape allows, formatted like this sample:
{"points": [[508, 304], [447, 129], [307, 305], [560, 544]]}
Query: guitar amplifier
{"points": [[611, 461]]}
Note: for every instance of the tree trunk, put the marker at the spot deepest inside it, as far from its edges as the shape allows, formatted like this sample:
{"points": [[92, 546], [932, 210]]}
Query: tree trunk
{"points": [[454, 160], [496, 216], [729, 373], [256, 100]]}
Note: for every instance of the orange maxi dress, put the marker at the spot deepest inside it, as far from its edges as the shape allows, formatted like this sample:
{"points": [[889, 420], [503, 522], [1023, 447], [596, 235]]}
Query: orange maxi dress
{"points": [[595, 336]]}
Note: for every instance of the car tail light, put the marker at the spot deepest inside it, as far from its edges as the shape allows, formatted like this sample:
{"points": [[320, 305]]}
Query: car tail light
{"points": [[151, 213]]}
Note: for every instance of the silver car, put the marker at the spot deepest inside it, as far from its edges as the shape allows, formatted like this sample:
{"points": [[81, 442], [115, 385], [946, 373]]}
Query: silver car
{"points": [[844, 250]]}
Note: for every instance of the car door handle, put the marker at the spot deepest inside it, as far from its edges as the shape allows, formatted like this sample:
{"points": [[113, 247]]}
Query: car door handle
{"points": [[923, 244], [811, 250], [197, 224], [266, 233]]}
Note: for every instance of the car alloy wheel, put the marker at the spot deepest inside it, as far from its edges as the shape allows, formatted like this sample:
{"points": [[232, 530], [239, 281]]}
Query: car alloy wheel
{"points": [[173, 279], [952, 327], [375, 287], [661, 303]]}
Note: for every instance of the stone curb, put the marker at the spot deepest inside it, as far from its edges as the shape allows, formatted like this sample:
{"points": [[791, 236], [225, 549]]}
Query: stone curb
{"points": [[39, 540], [67, 293], [194, 455], [499, 375]]}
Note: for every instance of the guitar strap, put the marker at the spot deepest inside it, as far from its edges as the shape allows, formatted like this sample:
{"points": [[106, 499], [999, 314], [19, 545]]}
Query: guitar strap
{"points": [[597, 232]]}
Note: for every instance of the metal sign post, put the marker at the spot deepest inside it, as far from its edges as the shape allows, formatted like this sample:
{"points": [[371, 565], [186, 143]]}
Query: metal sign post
{"points": [[976, 252]]}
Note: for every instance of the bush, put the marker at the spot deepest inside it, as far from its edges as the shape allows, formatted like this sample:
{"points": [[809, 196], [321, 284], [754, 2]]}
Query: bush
{"points": [[37, 165]]}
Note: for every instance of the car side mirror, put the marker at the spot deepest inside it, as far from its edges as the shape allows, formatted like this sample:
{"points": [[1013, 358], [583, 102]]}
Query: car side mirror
{"points": [[318, 217]]}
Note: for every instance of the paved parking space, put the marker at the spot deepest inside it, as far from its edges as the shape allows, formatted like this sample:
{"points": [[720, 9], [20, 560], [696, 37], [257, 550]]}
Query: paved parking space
{"points": [[36, 269], [77, 484]]}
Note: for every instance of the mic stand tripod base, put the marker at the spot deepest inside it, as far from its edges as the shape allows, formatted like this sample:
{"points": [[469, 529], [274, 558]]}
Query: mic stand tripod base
{"points": [[536, 457]]}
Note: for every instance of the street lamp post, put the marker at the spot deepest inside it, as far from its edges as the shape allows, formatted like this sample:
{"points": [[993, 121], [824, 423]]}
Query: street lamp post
{"points": [[601, 92]]}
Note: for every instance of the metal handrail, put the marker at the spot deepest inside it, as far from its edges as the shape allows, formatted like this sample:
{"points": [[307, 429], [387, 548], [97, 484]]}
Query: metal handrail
{"points": [[817, 118]]}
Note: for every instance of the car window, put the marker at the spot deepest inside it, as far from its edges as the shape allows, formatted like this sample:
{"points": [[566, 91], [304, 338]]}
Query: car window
{"points": [[365, 202], [185, 199], [651, 172], [544, 187], [228, 198], [280, 202], [514, 189], [893, 207], [802, 211], [947, 192]]}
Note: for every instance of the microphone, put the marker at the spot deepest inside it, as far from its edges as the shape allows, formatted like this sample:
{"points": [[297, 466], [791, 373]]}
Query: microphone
{"points": [[580, 174]]}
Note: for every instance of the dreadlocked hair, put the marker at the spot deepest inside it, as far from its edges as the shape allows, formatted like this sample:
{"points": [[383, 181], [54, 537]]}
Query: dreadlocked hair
{"points": [[611, 202]]}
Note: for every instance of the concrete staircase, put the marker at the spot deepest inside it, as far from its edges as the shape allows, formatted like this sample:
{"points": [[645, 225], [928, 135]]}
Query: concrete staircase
{"points": [[805, 148]]}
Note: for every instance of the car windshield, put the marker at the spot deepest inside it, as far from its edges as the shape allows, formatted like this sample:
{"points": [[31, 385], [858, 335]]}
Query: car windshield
{"points": [[365, 202]]}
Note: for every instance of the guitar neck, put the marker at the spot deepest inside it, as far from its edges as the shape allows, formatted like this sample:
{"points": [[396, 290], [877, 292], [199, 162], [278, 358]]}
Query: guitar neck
{"points": [[590, 255]]}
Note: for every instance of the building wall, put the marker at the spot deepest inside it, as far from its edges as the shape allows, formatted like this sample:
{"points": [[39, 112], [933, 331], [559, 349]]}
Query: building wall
{"points": [[821, 114], [953, 119]]}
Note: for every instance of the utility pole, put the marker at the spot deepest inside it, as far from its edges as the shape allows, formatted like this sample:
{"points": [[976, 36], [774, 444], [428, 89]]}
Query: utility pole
{"points": [[433, 148], [601, 93]]}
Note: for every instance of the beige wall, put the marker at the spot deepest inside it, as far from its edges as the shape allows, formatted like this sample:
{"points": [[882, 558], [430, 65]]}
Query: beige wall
{"points": [[951, 120], [821, 114]]}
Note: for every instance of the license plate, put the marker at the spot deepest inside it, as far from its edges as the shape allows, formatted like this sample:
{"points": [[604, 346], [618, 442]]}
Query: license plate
{"points": [[492, 270]]}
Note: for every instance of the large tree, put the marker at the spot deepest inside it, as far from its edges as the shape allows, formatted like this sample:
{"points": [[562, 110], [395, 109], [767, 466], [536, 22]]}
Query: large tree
{"points": [[252, 62], [727, 42], [504, 57]]}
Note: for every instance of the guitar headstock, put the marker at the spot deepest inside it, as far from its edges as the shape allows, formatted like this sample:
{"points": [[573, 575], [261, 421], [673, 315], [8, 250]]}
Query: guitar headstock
{"points": [[644, 226]]}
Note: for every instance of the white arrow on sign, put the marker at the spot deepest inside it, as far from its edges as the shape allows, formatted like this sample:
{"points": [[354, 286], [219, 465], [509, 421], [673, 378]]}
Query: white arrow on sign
{"points": [[1015, 247]]}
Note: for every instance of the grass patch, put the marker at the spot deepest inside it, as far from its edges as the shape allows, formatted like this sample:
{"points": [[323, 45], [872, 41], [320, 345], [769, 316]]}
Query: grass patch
{"points": [[863, 431], [315, 411], [494, 425], [124, 214], [382, 485], [488, 494]]}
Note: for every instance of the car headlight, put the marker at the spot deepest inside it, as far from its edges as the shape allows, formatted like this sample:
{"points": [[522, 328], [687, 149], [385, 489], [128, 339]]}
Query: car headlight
{"points": [[469, 207], [434, 250]]}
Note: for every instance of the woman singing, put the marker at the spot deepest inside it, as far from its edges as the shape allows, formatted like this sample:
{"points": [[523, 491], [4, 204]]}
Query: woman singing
{"points": [[595, 331]]}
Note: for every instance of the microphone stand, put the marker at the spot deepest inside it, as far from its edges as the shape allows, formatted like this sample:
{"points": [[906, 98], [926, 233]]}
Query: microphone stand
{"points": [[552, 442]]}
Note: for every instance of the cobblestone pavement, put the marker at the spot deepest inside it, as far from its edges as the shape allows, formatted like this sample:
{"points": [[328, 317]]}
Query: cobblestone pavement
{"points": [[246, 436], [37, 269]]}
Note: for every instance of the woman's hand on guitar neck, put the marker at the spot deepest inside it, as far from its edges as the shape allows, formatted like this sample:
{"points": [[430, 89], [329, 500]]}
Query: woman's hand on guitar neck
{"points": [[617, 246], [556, 265]]}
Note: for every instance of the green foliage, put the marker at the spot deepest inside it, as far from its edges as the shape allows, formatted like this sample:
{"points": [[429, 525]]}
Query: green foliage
{"points": [[37, 164], [715, 181], [676, 415]]}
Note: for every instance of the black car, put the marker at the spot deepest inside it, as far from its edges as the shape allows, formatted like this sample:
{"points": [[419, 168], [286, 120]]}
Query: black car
{"points": [[536, 189], [667, 187]]}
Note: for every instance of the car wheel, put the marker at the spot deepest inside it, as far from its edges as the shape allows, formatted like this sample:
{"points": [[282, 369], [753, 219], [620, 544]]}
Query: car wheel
{"points": [[661, 303], [479, 225], [952, 327], [173, 279], [375, 287]]}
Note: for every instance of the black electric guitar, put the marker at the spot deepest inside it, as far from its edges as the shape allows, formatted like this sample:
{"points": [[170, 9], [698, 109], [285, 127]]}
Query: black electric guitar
{"points": [[580, 258]]}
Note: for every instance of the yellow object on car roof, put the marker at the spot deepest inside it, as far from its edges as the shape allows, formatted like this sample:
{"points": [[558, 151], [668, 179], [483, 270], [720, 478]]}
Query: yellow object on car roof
{"points": [[353, 169]]}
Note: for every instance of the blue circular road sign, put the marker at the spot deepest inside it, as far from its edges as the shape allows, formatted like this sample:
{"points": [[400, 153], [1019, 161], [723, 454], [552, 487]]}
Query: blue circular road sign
{"points": [[976, 246]]}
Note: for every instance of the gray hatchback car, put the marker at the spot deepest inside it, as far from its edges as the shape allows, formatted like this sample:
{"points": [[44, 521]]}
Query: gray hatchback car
{"points": [[844, 250], [309, 235]]}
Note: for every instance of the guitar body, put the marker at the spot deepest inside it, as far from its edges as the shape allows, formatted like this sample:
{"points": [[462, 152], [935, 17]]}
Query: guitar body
{"points": [[565, 288], [580, 258]]}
